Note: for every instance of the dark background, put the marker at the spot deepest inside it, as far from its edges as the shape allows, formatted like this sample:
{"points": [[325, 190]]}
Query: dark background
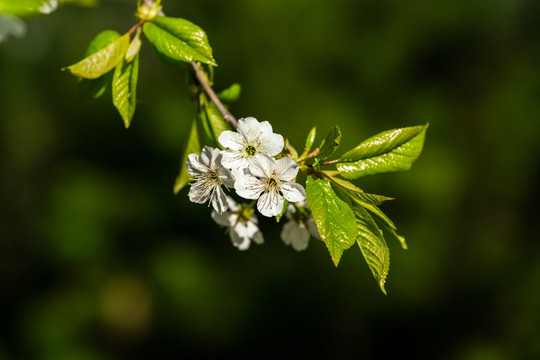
{"points": [[99, 260]]}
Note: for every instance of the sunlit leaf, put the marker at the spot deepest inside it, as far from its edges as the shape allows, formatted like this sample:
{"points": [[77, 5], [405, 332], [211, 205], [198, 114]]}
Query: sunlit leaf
{"points": [[94, 88], [102, 61], [124, 88], [310, 139], [230, 94], [134, 46], [393, 150], [329, 145], [334, 218], [178, 41], [24, 8]]}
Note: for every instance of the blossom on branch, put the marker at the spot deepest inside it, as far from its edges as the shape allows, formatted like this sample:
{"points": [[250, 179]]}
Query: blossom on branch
{"points": [[296, 232], [251, 139], [241, 223], [208, 175], [269, 181]]}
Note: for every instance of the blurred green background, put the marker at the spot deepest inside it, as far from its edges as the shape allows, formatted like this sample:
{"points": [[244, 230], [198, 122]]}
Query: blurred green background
{"points": [[99, 260]]}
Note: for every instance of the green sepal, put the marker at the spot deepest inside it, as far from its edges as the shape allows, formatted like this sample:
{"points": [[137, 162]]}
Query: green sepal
{"points": [[178, 41], [102, 61], [334, 218], [94, 88], [193, 145], [393, 150], [124, 88]]}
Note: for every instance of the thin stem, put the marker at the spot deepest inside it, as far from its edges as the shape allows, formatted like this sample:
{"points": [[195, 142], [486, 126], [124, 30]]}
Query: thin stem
{"points": [[208, 89], [134, 28], [330, 162]]}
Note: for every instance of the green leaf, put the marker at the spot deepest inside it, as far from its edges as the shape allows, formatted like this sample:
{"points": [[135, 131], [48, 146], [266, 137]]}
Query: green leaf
{"points": [[102, 61], [134, 46], [334, 218], [230, 94], [393, 150], [193, 145], [28, 7], [373, 246], [365, 197], [328, 145], [178, 41], [211, 122], [124, 88], [310, 139], [94, 88]]}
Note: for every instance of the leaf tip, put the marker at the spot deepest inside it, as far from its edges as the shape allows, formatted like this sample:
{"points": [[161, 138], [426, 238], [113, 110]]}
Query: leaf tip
{"points": [[381, 285]]}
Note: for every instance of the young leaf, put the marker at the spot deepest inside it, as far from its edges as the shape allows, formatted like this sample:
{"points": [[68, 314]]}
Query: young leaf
{"points": [[310, 139], [94, 88], [193, 145], [334, 218], [329, 145], [230, 94], [134, 46], [102, 61], [178, 41], [368, 198], [373, 246], [124, 88], [393, 150]]}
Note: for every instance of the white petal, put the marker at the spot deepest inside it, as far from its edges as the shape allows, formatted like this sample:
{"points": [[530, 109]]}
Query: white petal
{"points": [[194, 165], [219, 200], [248, 187], [249, 126], [270, 203], [233, 206], [206, 155], [242, 243], [262, 165], [293, 192], [221, 219], [233, 160], [232, 140], [296, 235], [271, 144], [226, 177], [197, 194], [215, 158], [287, 168]]}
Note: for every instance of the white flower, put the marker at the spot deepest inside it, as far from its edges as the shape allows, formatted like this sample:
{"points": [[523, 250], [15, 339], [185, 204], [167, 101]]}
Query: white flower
{"points": [[209, 175], [297, 230], [242, 224], [251, 139], [270, 180]]}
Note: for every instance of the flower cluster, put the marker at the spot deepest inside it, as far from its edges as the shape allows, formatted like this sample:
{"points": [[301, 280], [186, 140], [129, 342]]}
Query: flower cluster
{"points": [[248, 165]]}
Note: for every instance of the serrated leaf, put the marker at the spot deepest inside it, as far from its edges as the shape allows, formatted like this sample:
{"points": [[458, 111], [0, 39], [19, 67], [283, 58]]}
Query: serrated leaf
{"points": [[193, 145], [178, 41], [373, 246], [94, 88], [230, 94], [102, 61], [24, 8], [363, 196], [124, 88], [211, 122], [393, 150], [328, 145], [334, 218], [310, 139]]}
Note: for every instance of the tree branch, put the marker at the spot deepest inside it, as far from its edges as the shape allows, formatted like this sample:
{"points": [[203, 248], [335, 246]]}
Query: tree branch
{"points": [[208, 89]]}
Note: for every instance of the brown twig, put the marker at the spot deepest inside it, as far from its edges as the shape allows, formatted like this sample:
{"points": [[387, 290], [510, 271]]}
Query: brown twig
{"points": [[208, 89]]}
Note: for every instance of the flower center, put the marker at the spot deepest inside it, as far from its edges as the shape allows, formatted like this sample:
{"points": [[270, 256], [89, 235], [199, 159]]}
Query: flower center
{"points": [[272, 183], [250, 150]]}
